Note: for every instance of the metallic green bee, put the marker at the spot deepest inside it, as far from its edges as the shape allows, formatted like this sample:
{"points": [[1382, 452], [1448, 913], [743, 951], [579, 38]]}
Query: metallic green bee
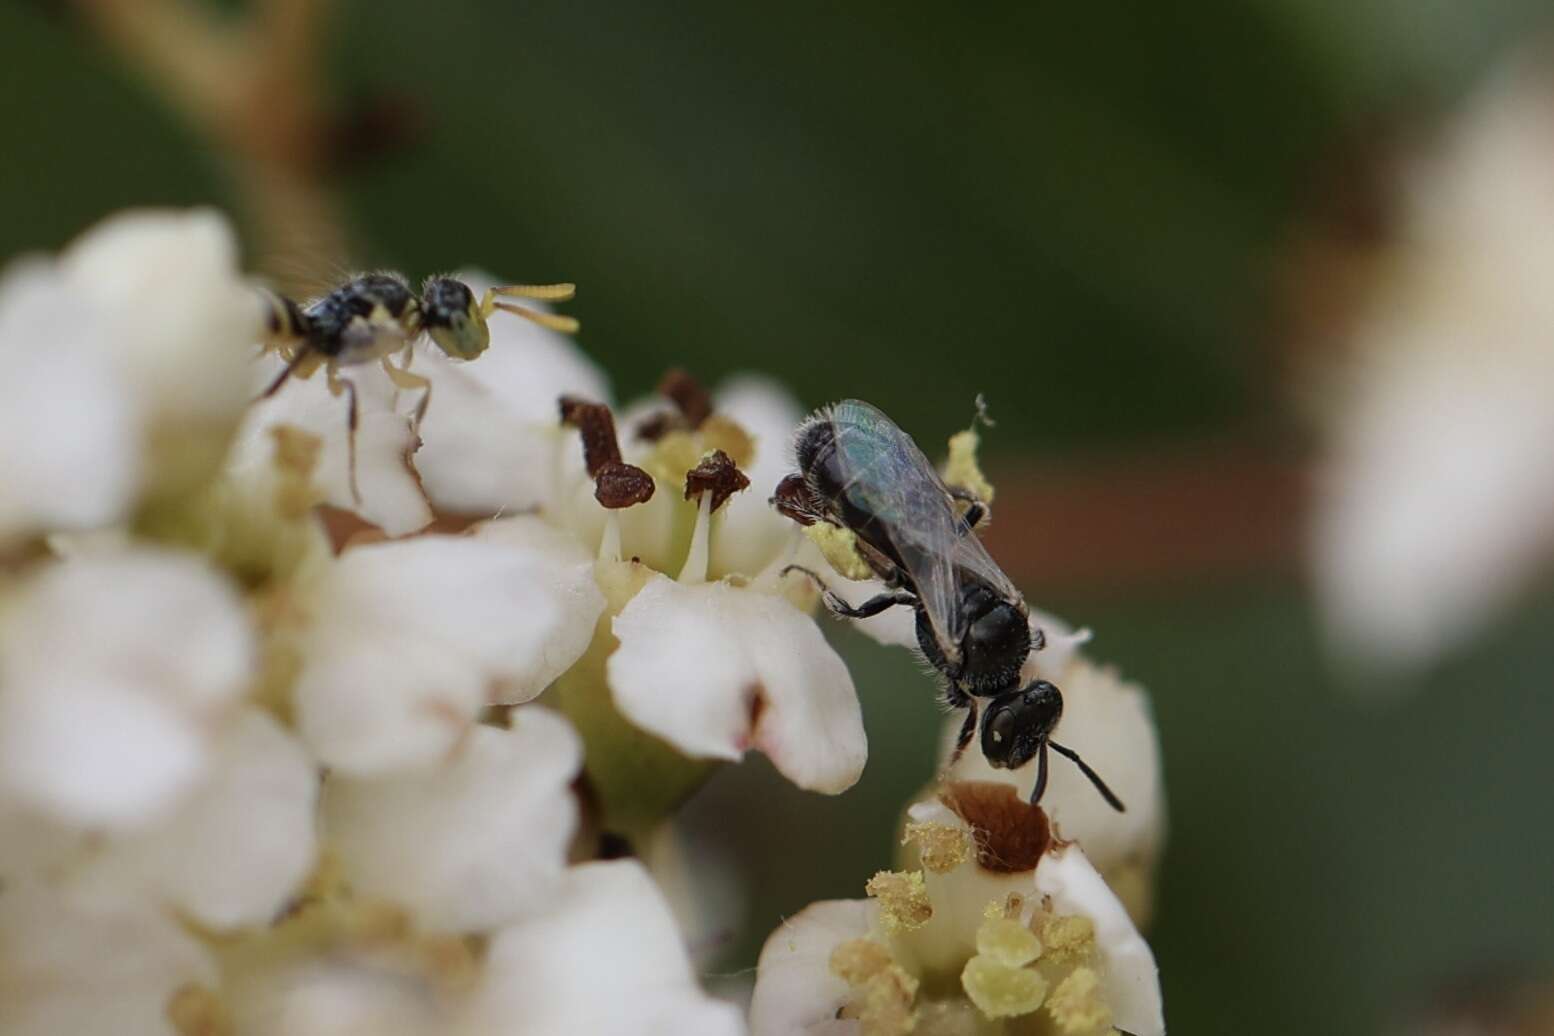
{"points": [[375, 315]]}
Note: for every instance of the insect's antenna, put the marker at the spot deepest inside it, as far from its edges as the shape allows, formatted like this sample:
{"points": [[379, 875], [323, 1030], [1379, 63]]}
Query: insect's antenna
{"points": [[540, 292], [1106, 793], [1041, 774], [566, 325]]}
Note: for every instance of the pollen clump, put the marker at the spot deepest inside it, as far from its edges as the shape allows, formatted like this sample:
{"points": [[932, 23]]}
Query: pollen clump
{"points": [[940, 847], [1076, 1006], [195, 1010], [1000, 991], [1008, 942], [903, 899], [840, 548], [962, 471], [883, 991], [1068, 939]]}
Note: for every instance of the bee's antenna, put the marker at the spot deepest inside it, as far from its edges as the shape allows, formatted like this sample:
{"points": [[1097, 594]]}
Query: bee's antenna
{"points": [[1041, 774], [1095, 778]]}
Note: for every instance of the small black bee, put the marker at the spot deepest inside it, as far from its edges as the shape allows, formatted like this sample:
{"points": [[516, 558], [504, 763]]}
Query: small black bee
{"points": [[859, 471], [374, 315]]}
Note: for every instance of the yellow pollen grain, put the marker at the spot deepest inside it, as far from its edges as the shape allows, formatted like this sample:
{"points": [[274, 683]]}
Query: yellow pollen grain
{"points": [[941, 847], [1068, 939], [883, 990], [1000, 991], [962, 471], [858, 960], [195, 1010], [840, 548], [903, 899], [1008, 942], [1076, 1006]]}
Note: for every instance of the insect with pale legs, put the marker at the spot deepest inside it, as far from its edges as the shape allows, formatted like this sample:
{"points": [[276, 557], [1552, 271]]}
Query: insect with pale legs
{"points": [[374, 316]]}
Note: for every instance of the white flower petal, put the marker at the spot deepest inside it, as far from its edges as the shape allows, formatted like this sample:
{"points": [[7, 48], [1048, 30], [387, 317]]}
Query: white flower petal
{"points": [[602, 958], [391, 496], [1109, 723], [413, 637], [30, 843], [701, 883], [795, 989], [73, 969], [72, 466], [470, 845], [329, 996], [95, 755], [715, 669], [184, 321], [1130, 980], [238, 848]]}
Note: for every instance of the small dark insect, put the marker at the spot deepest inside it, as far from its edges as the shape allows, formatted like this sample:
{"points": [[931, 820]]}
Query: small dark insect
{"points": [[374, 315], [859, 471]]}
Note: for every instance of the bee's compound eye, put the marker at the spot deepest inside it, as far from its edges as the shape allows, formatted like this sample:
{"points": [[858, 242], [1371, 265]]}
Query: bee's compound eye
{"points": [[998, 735]]}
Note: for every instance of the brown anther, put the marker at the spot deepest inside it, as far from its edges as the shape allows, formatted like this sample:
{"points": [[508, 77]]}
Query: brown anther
{"points": [[1011, 834], [620, 485], [793, 499], [597, 425], [685, 392], [656, 425], [716, 474]]}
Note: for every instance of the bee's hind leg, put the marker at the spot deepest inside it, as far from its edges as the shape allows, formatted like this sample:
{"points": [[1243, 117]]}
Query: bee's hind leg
{"points": [[338, 385], [976, 510], [868, 609]]}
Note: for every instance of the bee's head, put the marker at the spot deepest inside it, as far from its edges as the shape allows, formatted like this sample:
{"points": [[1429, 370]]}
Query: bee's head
{"points": [[453, 318], [1015, 724], [996, 643]]}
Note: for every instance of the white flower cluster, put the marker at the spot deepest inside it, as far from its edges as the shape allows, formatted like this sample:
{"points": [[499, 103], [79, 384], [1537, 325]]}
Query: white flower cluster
{"points": [[268, 758]]}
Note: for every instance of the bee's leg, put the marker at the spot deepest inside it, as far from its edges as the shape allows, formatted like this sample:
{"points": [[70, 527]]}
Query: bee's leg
{"points": [[406, 379], [286, 372], [976, 510], [967, 729], [338, 385], [873, 606]]}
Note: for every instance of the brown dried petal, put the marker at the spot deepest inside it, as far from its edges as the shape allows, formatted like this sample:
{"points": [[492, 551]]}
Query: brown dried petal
{"points": [[1011, 834], [716, 474]]}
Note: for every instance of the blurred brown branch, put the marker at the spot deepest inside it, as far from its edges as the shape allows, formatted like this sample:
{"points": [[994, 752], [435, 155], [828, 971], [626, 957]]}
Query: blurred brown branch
{"points": [[251, 84]]}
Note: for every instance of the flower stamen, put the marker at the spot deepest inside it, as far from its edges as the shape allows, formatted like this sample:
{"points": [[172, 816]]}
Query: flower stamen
{"points": [[616, 483]]}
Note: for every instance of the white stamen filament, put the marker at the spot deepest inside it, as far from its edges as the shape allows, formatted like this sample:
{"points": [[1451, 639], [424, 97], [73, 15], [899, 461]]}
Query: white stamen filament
{"points": [[695, 570], [610, 542]]}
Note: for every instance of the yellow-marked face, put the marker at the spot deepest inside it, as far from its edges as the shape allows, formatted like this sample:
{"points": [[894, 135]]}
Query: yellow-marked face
{"points": [[452, 317]]}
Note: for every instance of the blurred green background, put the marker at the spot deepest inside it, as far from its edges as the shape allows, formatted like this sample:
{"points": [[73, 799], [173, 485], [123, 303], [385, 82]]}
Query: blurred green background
{"points": [[1078, 209]]}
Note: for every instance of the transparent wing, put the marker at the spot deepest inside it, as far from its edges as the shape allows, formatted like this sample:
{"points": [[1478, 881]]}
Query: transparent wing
{"points": [[887, 475]]}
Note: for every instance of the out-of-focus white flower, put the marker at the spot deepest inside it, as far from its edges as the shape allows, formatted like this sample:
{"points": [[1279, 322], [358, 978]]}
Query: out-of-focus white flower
{"points": [[126, 369], [469, 845], [1437, 497], [409, 640], [115, 671], [602, 957], [998, 924], [238, 847], [70, 967], [1108, 722]]}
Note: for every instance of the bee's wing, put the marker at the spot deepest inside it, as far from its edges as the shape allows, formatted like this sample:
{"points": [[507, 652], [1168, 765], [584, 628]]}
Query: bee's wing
{"points": [[889, 477]]}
